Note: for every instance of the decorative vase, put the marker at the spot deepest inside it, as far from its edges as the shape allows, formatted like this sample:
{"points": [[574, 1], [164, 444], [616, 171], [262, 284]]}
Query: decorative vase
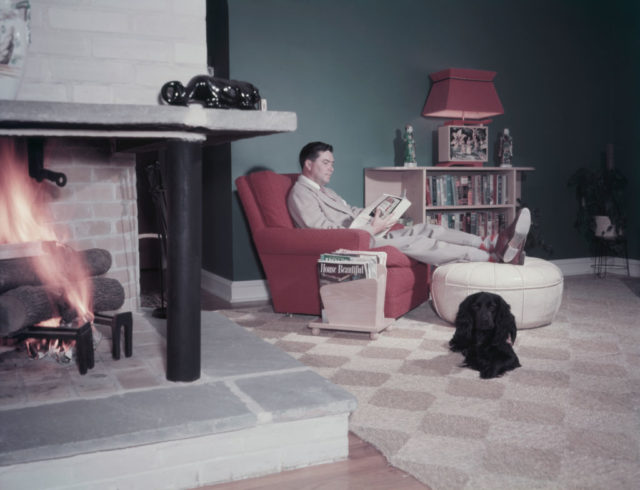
{"points": [[604, 228], [15, 36]]}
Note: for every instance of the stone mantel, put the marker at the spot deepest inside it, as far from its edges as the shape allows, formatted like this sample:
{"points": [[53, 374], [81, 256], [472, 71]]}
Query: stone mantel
{"points": [[139, 122]]}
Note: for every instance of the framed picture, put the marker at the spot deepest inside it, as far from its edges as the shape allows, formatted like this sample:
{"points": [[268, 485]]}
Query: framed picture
{"points": [[463, 144]]}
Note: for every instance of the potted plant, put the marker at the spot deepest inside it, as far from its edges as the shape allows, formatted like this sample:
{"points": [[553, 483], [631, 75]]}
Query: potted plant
{"points": [[601, 206]]}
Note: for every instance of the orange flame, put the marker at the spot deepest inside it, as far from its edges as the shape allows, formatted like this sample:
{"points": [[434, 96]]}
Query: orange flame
{"points": [[24, 217]]}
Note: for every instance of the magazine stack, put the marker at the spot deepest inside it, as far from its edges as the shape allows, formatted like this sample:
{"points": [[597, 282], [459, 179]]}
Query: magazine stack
{"points": [[349, 265], [352, 291]]}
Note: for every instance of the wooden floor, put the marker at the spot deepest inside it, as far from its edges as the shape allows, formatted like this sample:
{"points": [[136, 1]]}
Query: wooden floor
{"points": [[366, 468]]}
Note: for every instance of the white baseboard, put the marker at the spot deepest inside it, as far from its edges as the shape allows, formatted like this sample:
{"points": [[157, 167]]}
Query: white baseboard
{"points": [[584, 265], [257, 290], [234, 291]]}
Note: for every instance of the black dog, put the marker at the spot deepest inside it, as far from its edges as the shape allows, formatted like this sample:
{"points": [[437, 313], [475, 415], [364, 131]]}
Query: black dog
{"points": [[485, 333]]}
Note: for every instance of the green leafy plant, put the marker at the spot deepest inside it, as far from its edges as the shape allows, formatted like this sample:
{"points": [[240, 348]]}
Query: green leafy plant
{"points": [[599, 193]]}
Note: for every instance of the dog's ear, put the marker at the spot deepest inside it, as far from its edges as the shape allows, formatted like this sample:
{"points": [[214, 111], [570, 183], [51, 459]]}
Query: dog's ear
{"points": [[464, 317], [505, 321], [464, 325]]}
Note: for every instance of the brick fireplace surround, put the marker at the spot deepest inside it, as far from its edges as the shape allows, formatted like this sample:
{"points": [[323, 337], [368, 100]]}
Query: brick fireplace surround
{"points": [[100, 56]]}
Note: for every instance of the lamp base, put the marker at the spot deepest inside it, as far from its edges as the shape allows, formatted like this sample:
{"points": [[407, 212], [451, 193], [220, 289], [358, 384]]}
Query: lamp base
{"points": [[459, 164]]}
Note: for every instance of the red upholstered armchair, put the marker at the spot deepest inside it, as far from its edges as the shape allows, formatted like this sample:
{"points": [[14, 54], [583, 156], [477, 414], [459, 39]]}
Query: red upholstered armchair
{"points": [[289, 255]]}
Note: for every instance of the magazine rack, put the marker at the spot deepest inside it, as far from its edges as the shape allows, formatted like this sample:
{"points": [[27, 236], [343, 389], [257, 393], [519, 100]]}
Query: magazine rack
{"points": [[355, 306]]}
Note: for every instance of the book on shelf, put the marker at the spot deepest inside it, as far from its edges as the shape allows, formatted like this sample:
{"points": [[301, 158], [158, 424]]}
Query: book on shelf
{"points": [[466, 190], [388, 204], [481, 223]]}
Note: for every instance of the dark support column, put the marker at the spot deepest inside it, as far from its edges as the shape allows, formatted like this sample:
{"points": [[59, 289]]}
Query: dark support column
{"points": [[184, 193]]}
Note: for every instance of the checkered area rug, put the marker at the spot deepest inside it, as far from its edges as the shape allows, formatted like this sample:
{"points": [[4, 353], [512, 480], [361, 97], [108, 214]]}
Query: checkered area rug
{"points": [[569, 418]]}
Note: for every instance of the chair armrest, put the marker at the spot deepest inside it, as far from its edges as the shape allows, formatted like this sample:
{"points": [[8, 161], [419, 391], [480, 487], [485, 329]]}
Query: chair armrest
{"points": [[309, 241]]}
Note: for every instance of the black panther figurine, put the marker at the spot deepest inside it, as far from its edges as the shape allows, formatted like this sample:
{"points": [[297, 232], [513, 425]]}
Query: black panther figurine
{"points": [[216, 93]]}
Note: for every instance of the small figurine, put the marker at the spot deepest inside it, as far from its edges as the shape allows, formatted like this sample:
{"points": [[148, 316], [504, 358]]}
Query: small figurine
{"points": [[409, 147], [505, 150], [212, 92]]}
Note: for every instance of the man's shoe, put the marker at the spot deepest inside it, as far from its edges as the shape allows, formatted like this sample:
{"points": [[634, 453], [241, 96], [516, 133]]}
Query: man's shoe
{"points": [[511, 240]]}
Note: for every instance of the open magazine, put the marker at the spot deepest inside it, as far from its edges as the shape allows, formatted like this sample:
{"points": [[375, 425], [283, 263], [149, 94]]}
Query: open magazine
{"points": [[388, 205]]}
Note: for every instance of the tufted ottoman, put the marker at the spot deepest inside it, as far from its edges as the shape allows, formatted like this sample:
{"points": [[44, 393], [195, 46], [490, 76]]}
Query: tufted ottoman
{"points": [[534, 290]]}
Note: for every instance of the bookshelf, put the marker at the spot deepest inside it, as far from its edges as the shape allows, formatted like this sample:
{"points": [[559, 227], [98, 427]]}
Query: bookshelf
{"points": [[441, 194]]}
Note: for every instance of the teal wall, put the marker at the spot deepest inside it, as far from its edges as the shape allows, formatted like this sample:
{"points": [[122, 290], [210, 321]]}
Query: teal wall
{"points": [[625, 36], [357, 71]]}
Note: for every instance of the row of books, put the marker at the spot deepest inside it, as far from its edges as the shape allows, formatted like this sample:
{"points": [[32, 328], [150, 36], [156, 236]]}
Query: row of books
{"points": [[481, 223], [348, 265], [467, 190]]}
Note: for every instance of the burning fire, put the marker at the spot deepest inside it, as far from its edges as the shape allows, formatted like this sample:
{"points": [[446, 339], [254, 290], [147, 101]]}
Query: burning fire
{"points": [[24, 217]]}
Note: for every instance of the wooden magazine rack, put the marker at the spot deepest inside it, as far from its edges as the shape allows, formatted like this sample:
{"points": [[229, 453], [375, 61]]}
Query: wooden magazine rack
{"points": [[355, 305]]}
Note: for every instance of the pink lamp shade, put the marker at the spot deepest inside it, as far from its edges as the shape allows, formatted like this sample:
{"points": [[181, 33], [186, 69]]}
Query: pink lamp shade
{"points": [[463, 94]]}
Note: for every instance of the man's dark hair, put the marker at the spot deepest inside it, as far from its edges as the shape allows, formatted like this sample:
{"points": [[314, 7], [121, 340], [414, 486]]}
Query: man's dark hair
{"points": [[310, 151]]}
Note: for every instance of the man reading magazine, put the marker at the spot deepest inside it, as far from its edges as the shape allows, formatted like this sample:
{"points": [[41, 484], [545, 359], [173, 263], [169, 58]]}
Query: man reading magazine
{"points": [[313, 205]]}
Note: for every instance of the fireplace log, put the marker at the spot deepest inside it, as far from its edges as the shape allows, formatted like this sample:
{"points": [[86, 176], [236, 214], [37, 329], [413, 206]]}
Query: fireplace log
{"points": [[21, 272], [28, 305]]}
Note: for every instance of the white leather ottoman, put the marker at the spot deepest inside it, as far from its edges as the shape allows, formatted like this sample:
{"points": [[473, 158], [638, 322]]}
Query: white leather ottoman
{"points": [[534, 290]]}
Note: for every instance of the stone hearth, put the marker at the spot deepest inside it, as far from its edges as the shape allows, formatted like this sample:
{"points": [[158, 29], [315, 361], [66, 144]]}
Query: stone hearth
{"points": [[255, 410]]}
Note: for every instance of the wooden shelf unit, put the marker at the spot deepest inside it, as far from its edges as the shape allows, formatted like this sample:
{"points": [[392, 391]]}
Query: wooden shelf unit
{"points": [[413, 181]]}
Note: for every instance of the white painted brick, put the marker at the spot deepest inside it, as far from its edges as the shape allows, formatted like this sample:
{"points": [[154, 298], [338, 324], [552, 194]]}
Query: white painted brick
{"points": [[207, 460], [38, 8], [87, 19], [190, 53], [96, 191], [244, 466], [89, 70], [91, 93], [68, 211], [169, 26], [22, 476], [36, 69], [125, 259], [122, 242], [136, 94], [201, 449], [76, 176], [131, 49], [64, 3], [137, 5], [126, 226], [59, 42], [52, 92], [107, 51], [158, 75], [84, 244], [301, 455], [197, 8]]}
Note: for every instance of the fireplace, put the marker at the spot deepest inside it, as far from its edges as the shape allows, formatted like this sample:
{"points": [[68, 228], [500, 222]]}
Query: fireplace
{"points": [[178, 133], [90, 94]]}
